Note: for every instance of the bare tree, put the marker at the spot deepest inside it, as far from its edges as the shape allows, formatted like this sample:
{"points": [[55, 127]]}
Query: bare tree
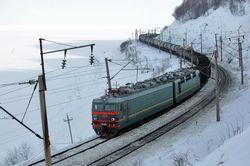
{"points": [[192, 9], [181, 160], [17, 155]]}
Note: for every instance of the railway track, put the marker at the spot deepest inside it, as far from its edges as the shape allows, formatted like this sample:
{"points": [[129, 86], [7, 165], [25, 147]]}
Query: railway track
{"points": [[116, 155], [68, 156], [70, 152]]}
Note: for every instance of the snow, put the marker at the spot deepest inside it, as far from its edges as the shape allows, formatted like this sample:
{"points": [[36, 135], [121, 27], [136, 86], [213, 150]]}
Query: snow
{"points": [[235, 151], [226, 156], [202, 140], [199, 141], [69, 91]]}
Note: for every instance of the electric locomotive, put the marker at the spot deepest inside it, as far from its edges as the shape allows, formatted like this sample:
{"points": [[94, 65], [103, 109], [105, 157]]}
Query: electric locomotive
{"points": [[130, 104]]}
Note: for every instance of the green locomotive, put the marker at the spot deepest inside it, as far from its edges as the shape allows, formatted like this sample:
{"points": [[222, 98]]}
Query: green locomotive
{"points": [[131, 104]]}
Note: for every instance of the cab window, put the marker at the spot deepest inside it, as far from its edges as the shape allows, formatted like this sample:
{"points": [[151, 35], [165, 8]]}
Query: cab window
{"points": [[110, 107], [98, 107]]}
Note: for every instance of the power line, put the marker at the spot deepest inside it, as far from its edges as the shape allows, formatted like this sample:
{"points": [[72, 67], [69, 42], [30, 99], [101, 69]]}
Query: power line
{"points": [[15, 90], [21, 123], [60, 89], [8, 84], [61, 103], [18, 82], [59, 43]]}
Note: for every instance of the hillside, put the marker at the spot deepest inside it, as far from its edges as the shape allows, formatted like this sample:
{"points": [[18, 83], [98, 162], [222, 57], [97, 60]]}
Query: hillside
{"points": [[223, 143], [192, 9], [202, 141]]}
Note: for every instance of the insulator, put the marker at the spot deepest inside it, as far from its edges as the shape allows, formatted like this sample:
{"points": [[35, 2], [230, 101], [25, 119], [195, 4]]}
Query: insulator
{"points": [[91, 60], [64, 63]]}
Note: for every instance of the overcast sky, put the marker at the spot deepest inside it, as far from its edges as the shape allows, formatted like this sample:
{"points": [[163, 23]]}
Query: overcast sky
{"points": [[107, 13]]}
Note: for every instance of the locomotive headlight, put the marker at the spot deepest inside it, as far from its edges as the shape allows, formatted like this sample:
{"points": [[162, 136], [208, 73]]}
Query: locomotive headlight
{"points": [[94, 118], [112, 119]]}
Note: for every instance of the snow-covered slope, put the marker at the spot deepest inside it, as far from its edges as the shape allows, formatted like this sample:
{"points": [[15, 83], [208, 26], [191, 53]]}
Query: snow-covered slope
{"points": [[69, 91], [235, 106], [234, 152], [203, 141]]}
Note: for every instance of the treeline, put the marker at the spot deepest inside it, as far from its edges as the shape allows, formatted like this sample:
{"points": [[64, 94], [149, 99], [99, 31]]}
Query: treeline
{"points": [[192, 9]]}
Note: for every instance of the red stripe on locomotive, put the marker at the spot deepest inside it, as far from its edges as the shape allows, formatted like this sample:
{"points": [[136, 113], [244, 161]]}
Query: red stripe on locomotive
{"points": [[105, 113]]}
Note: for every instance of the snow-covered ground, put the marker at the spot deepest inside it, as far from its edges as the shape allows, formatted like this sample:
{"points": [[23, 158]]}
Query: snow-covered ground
{"points": [[70, 90], [203, 141], [200, 141]]}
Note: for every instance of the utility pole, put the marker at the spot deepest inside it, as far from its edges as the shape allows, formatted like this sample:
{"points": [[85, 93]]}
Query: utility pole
{"points": [[192, 55], [239, 43], [108, 74], [68, 121], [183, 45], [42, 89], [217, 82], [239, 50], [201, 42], [241, 62], [217, 87], [181, 59], [42, 62], [216, 43], [137, 73], [169, 35], [221, 47], [44, 119], [186, 38]]}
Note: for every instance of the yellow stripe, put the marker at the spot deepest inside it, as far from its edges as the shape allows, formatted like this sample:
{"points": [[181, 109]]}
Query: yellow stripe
{"points": [[144, 110]]}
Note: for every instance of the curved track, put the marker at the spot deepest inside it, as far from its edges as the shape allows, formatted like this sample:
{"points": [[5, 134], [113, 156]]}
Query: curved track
{"points": [[205, 67], [110, 158], [203, 64]]}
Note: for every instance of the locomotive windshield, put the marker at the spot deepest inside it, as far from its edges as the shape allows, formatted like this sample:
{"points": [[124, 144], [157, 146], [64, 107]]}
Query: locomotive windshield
{"points": [[98, 107], [102, 107]]}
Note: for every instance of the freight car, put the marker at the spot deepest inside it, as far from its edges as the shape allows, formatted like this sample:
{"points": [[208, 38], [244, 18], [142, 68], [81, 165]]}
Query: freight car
{"points": [[201, 62], [131, 104]]}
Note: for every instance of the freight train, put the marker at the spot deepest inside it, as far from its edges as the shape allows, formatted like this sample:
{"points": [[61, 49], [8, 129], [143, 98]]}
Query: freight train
{"points": [[131, 104]]}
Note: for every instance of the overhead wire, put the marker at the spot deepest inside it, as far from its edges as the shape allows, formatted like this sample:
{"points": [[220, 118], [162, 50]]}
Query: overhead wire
{"points": [[59, 43], [62, 89], [61, 103], [11, 91]]}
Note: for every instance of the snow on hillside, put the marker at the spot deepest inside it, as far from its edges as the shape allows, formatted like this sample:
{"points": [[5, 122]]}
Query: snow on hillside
{"points": [[72, 90], [203, 141], [234, 152], [69, 91], [197, 142]]}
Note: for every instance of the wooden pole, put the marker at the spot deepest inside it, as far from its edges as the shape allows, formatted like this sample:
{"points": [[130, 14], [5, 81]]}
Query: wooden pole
{"points": [[108, 74], [192, 55], [186, 38], [221, 48], [169, 35], [137, 73], [201, 43], [44, 120], [241, 63], [183, 55], [217, 87]]}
